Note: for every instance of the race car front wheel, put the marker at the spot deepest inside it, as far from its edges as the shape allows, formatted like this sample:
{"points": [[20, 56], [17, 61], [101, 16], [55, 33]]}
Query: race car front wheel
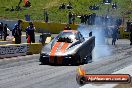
{"points": [[43, 61]]}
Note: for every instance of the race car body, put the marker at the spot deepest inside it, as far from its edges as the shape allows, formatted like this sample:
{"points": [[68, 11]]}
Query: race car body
{"points": [[69, 47]]}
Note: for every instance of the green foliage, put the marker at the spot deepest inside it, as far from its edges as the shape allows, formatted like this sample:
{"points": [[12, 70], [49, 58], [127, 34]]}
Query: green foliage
{"points": [[55, 15]]}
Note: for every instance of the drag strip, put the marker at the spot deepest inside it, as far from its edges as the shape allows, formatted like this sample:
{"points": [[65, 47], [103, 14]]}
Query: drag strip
{"points": [[26, 72]]}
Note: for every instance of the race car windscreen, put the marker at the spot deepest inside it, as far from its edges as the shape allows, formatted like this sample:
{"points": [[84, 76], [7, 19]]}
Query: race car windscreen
{"points": [[66, 37]]}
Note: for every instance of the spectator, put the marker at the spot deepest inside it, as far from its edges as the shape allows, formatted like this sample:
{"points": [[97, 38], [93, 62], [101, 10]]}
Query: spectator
{"points": [[5, 32], [27, 17], [46, 18], [18, 8], [19, 24], [62, 6], [93, 16], [69, 6], [119, 21], [131, 38], [89, 19], [16, 32], [27, 4], [131, 34], [85, 18], [1, 30], [73, 18], [94, 7], [12, 9], [114, 5], [128, 25], [82, 19], [30, 33], [114, 35], [70, 18]]}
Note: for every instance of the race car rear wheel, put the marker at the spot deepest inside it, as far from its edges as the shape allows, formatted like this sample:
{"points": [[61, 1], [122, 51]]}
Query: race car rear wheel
{"points": [[80, 60], [88, 59], [85, 61]]}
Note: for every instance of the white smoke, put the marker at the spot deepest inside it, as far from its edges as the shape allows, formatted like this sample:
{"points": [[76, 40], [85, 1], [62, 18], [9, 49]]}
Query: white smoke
{"points": [[101, 47]]}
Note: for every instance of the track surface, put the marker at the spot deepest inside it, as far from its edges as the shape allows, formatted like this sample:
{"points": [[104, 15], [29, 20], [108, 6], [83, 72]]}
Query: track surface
{"points": [[28, 73]]}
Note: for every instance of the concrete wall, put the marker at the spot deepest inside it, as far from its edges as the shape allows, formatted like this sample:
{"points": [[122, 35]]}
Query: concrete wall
{"points": [[11, 50], [48, 27], [40, 26]]}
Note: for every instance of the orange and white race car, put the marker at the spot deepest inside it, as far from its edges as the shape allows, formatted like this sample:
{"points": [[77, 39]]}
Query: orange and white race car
{"points": [[69, 47]]}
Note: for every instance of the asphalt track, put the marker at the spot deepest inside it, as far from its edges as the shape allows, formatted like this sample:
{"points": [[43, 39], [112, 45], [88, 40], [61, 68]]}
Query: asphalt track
{"points": [[26, 71]]}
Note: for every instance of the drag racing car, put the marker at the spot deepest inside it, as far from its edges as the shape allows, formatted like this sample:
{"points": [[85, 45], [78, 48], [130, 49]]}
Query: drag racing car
{"points": [[69, 47]]}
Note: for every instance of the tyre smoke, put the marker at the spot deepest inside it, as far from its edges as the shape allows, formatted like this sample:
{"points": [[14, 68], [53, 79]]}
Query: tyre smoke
{"points": [[101, 45]]}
